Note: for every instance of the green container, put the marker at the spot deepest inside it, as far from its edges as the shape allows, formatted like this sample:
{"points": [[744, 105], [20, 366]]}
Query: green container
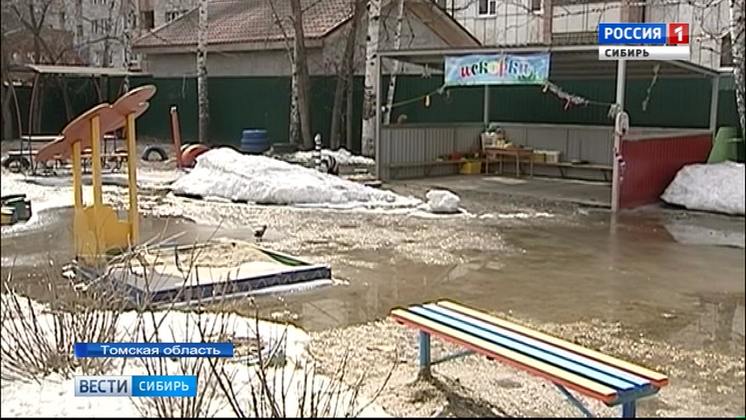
{"points": [[20, 205], [740, 150], [724, 147]]}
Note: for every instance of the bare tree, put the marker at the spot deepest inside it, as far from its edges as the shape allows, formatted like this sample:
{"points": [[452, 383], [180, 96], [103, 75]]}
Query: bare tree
{"points": [[370, 113], [203, 102], [294, 128], [737, 29], [346, 77], [303, 79], [716, 27], [129, 26], [29, 37], [397, 63]]}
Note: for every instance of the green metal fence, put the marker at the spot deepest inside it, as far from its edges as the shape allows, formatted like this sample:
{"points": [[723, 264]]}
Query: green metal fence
{"points": [[263, 102]]}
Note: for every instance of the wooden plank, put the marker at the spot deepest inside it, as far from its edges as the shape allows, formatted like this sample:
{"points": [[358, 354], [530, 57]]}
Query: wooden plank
{"points": [[658, 379], [533, 366]]}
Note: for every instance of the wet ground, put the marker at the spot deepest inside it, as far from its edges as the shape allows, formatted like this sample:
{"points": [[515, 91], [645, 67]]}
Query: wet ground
{"points": [[555, 264]]}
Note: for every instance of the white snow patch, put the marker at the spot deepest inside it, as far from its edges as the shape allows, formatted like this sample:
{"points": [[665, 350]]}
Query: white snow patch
{"points": [[231, 175], [442, 202], [53, 395], [342, 156], [718, 187]]}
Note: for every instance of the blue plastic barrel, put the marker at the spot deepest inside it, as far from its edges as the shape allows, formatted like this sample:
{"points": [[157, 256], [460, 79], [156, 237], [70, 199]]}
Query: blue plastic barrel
{"points": [[254, 141]]}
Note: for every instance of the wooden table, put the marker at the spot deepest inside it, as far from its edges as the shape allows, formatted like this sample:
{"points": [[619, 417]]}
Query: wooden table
{"points": [[499, 153]]}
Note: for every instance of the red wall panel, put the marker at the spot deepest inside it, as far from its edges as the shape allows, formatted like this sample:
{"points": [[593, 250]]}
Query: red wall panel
{"points": [[650, 165]]}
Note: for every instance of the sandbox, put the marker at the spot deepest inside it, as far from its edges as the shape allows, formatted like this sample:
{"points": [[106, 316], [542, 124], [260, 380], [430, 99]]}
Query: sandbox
{"points": [[204, 273]]}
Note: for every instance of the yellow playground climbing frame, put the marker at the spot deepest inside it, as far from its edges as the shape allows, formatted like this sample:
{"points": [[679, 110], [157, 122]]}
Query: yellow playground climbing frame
{"points": [[97, 230]]}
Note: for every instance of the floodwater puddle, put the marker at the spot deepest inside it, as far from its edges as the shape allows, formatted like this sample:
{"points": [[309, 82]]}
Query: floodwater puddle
{"points": [[637, 274]]}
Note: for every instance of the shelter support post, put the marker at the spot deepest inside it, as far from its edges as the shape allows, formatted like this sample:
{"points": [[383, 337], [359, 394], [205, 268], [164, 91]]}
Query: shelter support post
{"points": [[377, 145], [486, 106], [714, 101], [621, 86]]}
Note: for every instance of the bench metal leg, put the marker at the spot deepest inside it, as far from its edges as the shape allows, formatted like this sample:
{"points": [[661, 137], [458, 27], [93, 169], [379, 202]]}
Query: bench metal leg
{"points": [[575, 402], [629, 410], [424, 351]]}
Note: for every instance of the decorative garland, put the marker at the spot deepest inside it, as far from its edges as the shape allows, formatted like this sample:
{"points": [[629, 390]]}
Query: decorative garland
{"points": [[572, 100]]}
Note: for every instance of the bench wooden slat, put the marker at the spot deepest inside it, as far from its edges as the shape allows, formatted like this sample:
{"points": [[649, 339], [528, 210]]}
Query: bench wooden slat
{"points": [[576, 165], [430, 163], [600, 372], [658, 379], [538, 368]]}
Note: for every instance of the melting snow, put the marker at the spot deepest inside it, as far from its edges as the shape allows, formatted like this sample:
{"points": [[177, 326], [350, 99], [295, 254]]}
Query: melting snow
{"points": [[227, 174]]}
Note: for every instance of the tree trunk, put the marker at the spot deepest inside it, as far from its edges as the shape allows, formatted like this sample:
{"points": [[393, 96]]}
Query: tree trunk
{"points": [[737, 29], [370, 113], [128, 26], [7, 113], [350, 112], [303, 78], [203, 102], [6, 95], [346, 75], [294, 129], [294, 111], [397, 64]]}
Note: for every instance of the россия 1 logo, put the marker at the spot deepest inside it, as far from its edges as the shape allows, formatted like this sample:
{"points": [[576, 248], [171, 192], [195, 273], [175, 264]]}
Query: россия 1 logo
{"points": [[643, 41], [643, 33]]}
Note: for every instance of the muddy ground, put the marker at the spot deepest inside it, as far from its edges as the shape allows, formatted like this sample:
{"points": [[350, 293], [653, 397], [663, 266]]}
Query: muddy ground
{"points": [[629, 288]]}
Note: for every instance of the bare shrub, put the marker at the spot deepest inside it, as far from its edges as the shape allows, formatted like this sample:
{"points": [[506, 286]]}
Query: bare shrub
{"points": [[260, 382], [37, 340]]}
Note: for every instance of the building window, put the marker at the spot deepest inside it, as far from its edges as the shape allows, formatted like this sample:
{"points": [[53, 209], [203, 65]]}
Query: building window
{"points": [[147, 20], [726, 51], [79, 31], [536, 5], [100, 26], [173, 15], [62, 19], [487, 7], [99, 2]]}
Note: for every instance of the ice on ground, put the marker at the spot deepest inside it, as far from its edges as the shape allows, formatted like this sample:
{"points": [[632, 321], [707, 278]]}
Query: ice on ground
{"points": [[228, 174], [43, 198], [343, 157], [691, 234], [718, 187], [53, 395], [442, 202]]}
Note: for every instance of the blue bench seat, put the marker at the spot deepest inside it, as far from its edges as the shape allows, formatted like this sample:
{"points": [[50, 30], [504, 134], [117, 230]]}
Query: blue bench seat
{"points": [[567, 365]]}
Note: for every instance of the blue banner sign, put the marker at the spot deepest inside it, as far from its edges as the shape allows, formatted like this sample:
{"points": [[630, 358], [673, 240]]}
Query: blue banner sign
{"points": [[497, 69], [153, 350], [632, 33]]}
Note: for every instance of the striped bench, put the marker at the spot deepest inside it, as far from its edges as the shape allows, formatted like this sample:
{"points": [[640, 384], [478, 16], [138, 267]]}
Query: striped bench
{"points": [[567, 365]]}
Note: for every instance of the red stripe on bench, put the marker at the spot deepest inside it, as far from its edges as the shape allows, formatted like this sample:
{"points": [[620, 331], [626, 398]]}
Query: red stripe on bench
{"points": [[658, 380], [571, 381]]}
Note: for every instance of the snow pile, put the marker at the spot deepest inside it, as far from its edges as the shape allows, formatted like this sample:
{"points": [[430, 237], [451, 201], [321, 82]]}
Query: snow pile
{"points": [[442, 201], [227, 174], [343, 157], [718, 187], [53, 395]]}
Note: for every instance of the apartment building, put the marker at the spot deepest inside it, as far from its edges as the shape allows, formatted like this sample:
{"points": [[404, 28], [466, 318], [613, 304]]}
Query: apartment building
{"points": [[98, 26], [516, 22]]}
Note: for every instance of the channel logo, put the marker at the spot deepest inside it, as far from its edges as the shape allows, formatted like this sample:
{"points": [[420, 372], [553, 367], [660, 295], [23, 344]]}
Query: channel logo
{"points": [[643, 34]]}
